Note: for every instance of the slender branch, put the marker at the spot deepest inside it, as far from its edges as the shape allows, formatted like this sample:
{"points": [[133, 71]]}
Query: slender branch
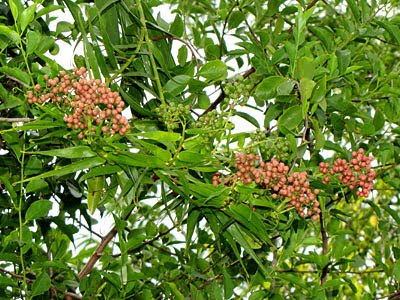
{"points": [[17, 81], [209, 281], [87, 228], [324, 236], [331, 271], [395, 295], [222, 96], [98, 253], [12, 120], [149, 242]]}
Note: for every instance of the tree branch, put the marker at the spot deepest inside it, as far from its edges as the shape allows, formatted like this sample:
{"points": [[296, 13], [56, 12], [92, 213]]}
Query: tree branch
{"points": [[324, 236], [97, 253], [12, 120], [209, 281], [222, 96]]}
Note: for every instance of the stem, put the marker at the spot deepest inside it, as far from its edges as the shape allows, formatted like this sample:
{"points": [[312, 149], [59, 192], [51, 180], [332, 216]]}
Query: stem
{"points": [[149, 46], [174, 158], [12, 120], [20, 219]]}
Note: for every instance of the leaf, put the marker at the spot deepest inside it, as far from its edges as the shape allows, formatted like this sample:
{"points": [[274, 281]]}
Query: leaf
{"points": [[394, 214], [319, 91], [32, 41], [214, 71], [95, 186], [41, 124], [267, 88], [41, 285], [7, 282], [177, 26], [191, 224], [27, 16], [10, 34], [290, 118], [306, 88], [38, 209], [182, 55], [235, 19], [71, 152], [203, 101], [379, 120], [68, 169], [164, 136], [344, 58], [48, 9], [396, 270], [36, 185], [324, 35], [305, 68], [228, 284], [293, 279], [16, 73], [136, 160], [354, 9], [177, 84], [392, 29], [248, 118]]}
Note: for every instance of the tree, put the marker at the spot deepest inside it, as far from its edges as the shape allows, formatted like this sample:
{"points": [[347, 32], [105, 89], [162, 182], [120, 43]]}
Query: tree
{"points": [[302, 204]]}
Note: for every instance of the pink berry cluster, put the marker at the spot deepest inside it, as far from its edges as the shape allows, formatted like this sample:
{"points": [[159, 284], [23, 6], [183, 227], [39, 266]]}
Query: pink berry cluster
{"points": [[87, 102], [357, 174], [274, 176]]}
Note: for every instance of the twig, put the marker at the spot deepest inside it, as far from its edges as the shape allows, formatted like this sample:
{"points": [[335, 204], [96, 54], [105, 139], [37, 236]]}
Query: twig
{"points": [[87, 228], [149, 242], [324, 236], [98, 253], [12, 120], [222, 96], [209, 281], [17, 81], [395, 295]]}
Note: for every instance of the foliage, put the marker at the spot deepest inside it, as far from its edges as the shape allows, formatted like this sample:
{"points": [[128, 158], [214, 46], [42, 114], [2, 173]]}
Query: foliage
{"points": [[159, 159]]}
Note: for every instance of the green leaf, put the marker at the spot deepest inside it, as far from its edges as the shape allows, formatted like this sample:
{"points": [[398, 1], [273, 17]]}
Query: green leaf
{"points": [[48, 9], [68, 169], [235, 19], [306, 88], [394, 214], [177, 27], [7, 282], [319, 91], [182, 55], [164, 136], [136, 160], [305, 68], [248, 118], [267, 88], [392, 29], [286, 87], [27, 16], [214, 71], [95, 192], [16, 73], [177, 84], [32, 41], [344, 58], [203, 101], [354, 9], [10, 34], [396, 270], [36, 185], [379, 120], [38, 209], [33, 166], [290, 118], [228, 284], [41, 285], [191, 224], [293, 279], [71, 152]]}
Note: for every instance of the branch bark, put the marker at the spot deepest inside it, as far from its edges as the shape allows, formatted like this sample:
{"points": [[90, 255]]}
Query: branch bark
{"points": [[324, 235], [12, 120], [98, 253]]}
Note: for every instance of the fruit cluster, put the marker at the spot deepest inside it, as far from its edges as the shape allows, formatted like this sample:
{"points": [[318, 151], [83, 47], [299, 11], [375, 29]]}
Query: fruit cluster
{"points": [[88, 103], [238, 90], [172, 114], [271, 146], [214, 123], [356, 174], [274, 176]]}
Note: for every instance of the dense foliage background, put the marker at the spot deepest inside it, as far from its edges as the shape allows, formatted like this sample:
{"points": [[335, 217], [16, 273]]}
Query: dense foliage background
{"points": [[323, 76]]}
